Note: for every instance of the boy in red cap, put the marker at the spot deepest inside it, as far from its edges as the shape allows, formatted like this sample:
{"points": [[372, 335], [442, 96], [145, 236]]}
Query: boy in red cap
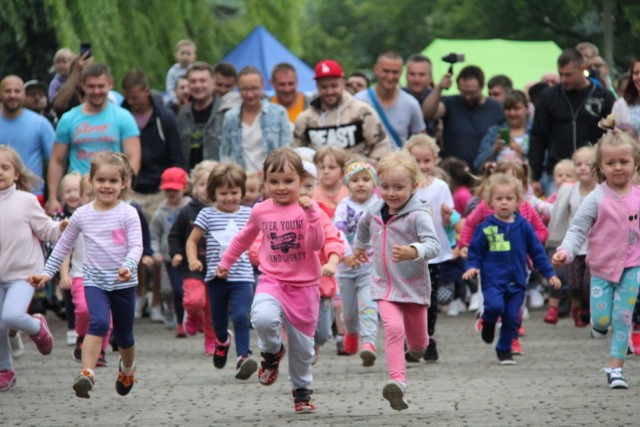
{"points": [[173, 183]]}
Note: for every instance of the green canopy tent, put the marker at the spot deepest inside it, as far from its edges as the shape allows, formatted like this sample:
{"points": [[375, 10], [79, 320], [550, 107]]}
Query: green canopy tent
{"points": [[522, 61]]}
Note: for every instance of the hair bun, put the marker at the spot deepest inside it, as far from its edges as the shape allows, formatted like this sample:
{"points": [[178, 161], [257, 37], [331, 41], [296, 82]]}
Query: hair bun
{"points": [[608, 123]]}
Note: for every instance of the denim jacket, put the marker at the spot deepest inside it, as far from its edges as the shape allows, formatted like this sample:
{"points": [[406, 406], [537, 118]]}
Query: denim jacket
{"points": [[276, 131]]}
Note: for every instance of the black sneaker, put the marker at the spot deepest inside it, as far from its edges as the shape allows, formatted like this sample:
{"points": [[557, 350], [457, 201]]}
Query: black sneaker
{"points": [[77, 353], [302, 400], [220, 354], [124, 383], [102, 361], [245, 367], [615, 378], [488, 332], [505, 358], [431, 354]]}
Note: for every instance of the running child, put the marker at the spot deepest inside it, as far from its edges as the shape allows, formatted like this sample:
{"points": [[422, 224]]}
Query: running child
{"points": [[608, 220], [400, 229], [498, 252], [330, 161], [288, 289], [219, 224], [113, 247], [24, 224]]}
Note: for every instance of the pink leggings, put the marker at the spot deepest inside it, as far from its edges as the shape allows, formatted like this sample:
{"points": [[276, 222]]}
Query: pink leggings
{"points": [[82, 313], [396, 317], [196, 303]]}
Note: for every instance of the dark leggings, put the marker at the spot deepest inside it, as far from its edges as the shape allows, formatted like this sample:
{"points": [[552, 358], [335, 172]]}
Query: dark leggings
{"points": [[432, 313], [103, 305], [580, 281], [69, 309], [175, 277]]}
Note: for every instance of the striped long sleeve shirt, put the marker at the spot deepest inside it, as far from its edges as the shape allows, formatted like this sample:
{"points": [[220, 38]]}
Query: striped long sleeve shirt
{"points": [[112, 239]]}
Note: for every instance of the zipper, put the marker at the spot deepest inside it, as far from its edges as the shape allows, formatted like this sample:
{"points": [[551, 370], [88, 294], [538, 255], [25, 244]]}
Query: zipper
{"points": [[384, 256], [574, 113]]}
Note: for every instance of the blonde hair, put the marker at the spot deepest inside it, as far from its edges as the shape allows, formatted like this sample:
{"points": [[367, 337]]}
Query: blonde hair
{"points": [[400, 159], [588, 148], [27, 180], [421, 140], [185, 42], [614, 137], [205, 166], [564, 163], [119, 160], [501, 178], [66, 178], [518, 170], [277, 160], [339, 154]]}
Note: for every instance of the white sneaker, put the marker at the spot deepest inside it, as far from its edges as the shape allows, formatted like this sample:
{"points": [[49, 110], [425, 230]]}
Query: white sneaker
{"points": [[156, 314], [535, 298], [140, 301], [72, 337], [455, 308], [17, 348], [475, 303]]}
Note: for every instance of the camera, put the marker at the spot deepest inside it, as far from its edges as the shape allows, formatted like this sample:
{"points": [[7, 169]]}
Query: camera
{"points": [[453, 58], [84, 48]]}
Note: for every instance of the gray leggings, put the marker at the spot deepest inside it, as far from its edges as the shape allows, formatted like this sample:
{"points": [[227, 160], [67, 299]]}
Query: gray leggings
{"points": [[359, 311]]}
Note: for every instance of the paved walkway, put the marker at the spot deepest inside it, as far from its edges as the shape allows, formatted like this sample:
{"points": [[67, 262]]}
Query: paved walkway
{"points": [[556, 382]]}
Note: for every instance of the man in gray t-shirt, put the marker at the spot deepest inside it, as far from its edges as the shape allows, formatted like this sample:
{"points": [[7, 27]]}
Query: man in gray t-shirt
{"points": [[402, 110], [465, 117]]}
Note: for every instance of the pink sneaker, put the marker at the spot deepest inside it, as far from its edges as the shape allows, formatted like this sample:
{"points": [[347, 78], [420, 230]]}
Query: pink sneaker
{"points": [[209, 347], [350, 343], [191, 323], [368, 354], [7, 379], [43, 339], [180, 333]]}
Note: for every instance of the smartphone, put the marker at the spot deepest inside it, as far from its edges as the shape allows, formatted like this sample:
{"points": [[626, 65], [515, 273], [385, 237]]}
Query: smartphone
{"points": [[85, 47], [505, 136]]}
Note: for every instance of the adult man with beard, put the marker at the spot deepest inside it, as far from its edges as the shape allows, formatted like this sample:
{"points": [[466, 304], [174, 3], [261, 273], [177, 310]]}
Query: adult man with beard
{"points": [[95, 125], [466, 117], [29, 133], [335, 117]]}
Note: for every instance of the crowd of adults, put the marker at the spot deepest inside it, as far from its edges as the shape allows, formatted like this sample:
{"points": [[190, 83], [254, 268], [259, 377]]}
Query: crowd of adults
{"points": [[214, 112]]}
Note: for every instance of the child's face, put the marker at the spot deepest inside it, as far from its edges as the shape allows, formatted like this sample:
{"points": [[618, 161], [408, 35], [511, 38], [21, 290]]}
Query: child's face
{"points": [[200, 187], [87, 192], [617, 165], [425, 158], [283, 187], [583, 160], [361, 187], [252, 191], [228, 198], [504, 201], [182, 90], [8, 173], [330, 172], [186, 55], [71, 196], [396, 187], [173, 197], [308, 186], [562, 174], [62, 64], [107, 185]]}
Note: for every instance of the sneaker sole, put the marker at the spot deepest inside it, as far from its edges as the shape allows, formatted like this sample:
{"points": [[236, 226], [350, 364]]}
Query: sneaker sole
{"points": [[82, 386], [8, 386], [368, 357], [305, 410], [507, 362], [247, 369], [393, 393], [619, 385]]}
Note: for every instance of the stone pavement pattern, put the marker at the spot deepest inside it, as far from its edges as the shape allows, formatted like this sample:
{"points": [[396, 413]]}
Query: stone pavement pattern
{"points": [[556, 382]]}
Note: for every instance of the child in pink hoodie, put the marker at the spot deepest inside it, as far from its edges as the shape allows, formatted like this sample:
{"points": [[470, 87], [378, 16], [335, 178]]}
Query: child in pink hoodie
{"points": [[288, 289]]}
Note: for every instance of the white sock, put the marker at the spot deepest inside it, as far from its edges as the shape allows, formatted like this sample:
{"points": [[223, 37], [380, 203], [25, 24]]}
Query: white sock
{"points": [[129, 370]]}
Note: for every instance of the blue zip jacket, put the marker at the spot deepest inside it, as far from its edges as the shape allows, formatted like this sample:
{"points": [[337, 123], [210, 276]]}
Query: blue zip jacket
{"points": [[499, 249]]}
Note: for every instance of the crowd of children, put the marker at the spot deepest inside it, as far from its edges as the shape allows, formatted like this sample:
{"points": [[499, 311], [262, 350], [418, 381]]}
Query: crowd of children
{"points": [[338, 243]]}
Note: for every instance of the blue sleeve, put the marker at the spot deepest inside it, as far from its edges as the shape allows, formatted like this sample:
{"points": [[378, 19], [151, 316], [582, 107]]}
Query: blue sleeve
{"points": [[225, 139], [477, 249], [286, 136], [486, 146], [536, 252], [201, 221]]}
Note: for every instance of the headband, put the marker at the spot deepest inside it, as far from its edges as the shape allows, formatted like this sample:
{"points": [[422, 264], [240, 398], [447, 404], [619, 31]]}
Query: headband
{"points": [[355, 168]]}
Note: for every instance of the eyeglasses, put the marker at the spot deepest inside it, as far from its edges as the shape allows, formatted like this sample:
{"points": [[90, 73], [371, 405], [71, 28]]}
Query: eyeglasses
{"points": [[253, 89]]}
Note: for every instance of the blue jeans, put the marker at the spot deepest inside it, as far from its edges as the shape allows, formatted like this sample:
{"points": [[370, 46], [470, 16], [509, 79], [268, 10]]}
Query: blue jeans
{"points": [[103, 304], [238, 296], [505, 301]]}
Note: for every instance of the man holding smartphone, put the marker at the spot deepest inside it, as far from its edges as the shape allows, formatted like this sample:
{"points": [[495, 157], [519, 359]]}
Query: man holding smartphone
{"points": [[95, 125]]}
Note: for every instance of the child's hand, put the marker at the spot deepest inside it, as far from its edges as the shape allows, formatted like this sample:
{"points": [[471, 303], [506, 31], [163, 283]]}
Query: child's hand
{"points": [[351, 261], [222, 273], [558, 259], [65, 282], [464, 252], [361, 255], [195, 265], [176, 260], [147, 261], [404, 253], [124, 274], [470, 273], [38, 280], [329, 269], [555, 282], [305, 202], [63, 224], [445, 214]]}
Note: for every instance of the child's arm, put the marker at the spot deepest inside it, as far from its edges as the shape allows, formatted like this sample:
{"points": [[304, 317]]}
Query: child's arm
{"points": [[314, 231], [43, 227], [578, 229], [155, 230], [177, 250], [65, 280], [192, 249], [559, 220], [428, 244], [363, 236], [134, 246]]}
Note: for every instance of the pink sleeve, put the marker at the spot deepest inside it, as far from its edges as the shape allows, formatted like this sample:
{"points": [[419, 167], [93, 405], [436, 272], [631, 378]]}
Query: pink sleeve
{"points": [[471, 222], [242, 241], [333, 243], [254, 251], [315, 231], [530, 214]]}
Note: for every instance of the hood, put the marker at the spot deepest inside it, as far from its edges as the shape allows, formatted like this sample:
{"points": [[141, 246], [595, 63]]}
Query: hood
{"points": [[518, 221], [414, 203]]}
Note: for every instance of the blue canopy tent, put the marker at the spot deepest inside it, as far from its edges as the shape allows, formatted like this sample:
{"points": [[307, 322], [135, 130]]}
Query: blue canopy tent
{"points": [[263, 51]]}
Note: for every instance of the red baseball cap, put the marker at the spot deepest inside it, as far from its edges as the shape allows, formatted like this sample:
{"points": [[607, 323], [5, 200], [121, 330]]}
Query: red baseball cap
{"points": [[173, 179], [328, 68]]}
